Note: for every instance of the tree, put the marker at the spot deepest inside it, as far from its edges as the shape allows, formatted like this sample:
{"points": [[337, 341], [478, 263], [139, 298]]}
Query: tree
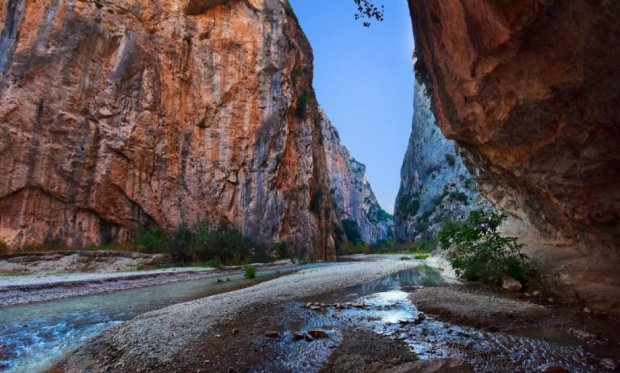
{"points": [[368, 11]]}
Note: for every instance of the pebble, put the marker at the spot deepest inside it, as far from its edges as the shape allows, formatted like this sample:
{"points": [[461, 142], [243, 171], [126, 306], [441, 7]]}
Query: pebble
{"points": [[536, 293], [235, 331], [587, 310], [318, 333], [608, 363], [272, 334], [298, 336]]}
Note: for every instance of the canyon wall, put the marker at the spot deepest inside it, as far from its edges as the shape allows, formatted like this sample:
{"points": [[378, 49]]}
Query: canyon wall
{"points": [[530, 92], [354, 201], [435, 184], [115, 114]]}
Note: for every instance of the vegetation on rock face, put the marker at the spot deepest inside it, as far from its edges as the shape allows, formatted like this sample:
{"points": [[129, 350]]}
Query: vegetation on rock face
{"points": [[351, 230], [3, 247], [477, 251]]}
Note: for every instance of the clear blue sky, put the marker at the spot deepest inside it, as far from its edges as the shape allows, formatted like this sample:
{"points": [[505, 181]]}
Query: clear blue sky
{"points": [[363, 78]]}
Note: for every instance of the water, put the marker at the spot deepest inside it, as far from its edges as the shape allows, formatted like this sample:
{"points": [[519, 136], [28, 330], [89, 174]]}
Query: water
{"points": [[34, 336], [384, 308]]}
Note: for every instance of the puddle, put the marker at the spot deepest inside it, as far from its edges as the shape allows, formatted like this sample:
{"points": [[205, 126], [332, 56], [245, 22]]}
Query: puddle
{"points": [[384, 308]]}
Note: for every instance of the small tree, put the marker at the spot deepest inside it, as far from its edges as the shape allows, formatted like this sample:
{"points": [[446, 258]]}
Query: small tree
{"points": [[477, 251]]}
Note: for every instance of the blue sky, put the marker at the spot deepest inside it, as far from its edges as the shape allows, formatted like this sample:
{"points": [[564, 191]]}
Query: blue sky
{"points": [[363, 78]]}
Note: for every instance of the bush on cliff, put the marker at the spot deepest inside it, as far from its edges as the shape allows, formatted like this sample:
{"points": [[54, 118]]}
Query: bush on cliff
{"points": [[477, 251]]}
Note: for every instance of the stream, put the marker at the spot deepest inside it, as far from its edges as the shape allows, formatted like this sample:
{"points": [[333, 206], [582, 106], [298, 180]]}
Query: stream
{"points": [[35, 336], [383, 307]]}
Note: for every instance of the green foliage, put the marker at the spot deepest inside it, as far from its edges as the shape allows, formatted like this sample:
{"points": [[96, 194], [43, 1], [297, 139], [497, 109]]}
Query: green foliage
{"points": [[459, 196], [421, 226], [179, 246], [408, 206], [151, 239], [426, 246], [249, 271], [477, 251], [352, 231], [421, 256], [315, 200], [451, 160], [302, 103], [4, 248], [215, 263], [368, 11]]}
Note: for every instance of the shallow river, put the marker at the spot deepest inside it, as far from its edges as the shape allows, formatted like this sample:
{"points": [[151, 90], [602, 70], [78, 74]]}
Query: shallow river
{"points": [[34, 336]]}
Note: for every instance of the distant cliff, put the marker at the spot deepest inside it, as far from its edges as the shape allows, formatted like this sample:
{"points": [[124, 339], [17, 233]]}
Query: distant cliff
{"points": [[355, 202], [435, 185], [119, 114]]}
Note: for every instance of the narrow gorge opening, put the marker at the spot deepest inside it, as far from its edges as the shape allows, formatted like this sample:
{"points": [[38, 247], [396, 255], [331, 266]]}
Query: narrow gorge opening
{"points": [[283, 185]]}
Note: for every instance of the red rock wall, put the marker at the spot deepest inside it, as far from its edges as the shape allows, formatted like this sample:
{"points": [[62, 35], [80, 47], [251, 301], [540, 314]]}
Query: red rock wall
{"points": [[530, 90], [119, 113]]}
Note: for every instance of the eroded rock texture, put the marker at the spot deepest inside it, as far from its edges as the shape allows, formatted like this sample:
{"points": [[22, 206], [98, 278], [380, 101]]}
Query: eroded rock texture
{"points": [[530, 90], [435, 184], [119, 113], [354, 200]]}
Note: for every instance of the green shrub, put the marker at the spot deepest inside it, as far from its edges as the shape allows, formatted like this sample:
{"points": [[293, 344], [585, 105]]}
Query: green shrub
{"points": [[179, 245], [151, 240], [451, 160], [214, 263], [477, 251], [409, 206], [352, 231], [426, 246], [249, 271]]}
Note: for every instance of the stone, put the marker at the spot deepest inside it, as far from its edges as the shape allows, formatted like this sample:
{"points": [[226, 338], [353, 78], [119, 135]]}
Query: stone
{"points": [[587, 310], [555, 369], [540, 141], [159, 115], [582, 334], [272, 334], [608, 363], [235, 331], [448, 365], [536, 293], [510, 284], [435, 184], [353, 197], [318, 333], [298, 336]]}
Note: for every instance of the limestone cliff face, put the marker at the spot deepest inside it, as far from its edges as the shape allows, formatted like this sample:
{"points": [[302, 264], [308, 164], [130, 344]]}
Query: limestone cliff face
{"points": [[435, 185], [119, 113], [354, 200], [530, 91]]}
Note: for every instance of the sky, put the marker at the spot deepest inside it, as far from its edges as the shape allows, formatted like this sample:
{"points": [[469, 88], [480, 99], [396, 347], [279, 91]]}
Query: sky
{"points": [[363, 78]]}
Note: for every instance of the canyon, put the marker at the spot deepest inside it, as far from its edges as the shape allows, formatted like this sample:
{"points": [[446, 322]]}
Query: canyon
{"points": [[120, 115], [435, 187], [528, 90]]}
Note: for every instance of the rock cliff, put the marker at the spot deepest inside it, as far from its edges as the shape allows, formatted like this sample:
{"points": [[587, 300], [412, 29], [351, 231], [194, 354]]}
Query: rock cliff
{"points": [[120, 113], [435, 185], [530, 91], [354, 201]]}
